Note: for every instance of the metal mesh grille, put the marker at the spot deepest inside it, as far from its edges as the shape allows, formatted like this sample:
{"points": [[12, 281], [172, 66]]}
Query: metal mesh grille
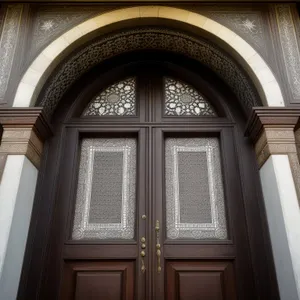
{"points": [[106, 195], [194, 189], [105, 201]]}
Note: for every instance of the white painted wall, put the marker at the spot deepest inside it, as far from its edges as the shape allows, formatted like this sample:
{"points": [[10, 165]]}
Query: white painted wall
{"points": [[17, 191], [283, 216]]}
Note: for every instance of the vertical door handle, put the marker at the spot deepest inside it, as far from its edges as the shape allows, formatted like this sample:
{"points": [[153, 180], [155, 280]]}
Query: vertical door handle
{"points": [[158, 252], [143, 254]]}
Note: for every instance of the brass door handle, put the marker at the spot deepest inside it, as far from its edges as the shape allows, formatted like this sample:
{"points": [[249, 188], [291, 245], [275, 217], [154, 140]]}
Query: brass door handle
{"points": [[158, 251], [143, 254]]}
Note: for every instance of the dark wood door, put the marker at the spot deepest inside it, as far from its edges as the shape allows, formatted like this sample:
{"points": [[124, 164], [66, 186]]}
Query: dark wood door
{"points": [[149, 204]]}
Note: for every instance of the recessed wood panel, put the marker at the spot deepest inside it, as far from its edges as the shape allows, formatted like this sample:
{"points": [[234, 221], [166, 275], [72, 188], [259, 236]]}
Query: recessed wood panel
{"points": [[200, 280], [194, 285], [98, 285], [98, 280]]}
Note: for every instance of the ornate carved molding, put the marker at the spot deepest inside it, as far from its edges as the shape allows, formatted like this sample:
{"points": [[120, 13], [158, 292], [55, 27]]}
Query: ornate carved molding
{"points": [[248, 25], [50, 22], [148, 38], [272, 131], [289, 46], [24, 131], [8, 43]]}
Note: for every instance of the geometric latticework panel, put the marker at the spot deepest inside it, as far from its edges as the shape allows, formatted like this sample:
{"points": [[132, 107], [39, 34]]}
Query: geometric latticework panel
{"points": [[182, 99], [106, 191], [116, 100], [194, 189]]}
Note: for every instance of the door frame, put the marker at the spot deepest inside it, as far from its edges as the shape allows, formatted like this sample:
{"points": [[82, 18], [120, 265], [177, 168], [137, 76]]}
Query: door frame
{"points": [[44, 206]]}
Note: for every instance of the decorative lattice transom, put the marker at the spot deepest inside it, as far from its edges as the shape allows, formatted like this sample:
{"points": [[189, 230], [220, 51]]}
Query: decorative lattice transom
{"points": [[116, 100], [182, 99]]}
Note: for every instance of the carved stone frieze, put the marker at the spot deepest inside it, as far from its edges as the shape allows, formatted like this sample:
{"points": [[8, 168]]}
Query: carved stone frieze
{"points": [[22, 141], [8, 43], [148, 38], [249, 25], [24, 131], [289, 46], [273, 131], [274, 141], [50, 23]]}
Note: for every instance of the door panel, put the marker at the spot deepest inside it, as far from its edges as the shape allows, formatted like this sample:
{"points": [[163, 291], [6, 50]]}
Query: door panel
{"points": [[209, 280], [200, 238], [151, 208], [111, 180], [98, 280]]}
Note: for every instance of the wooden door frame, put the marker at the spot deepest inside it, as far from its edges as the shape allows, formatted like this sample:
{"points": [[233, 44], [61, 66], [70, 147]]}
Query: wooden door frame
{"points": [[37, 249]]}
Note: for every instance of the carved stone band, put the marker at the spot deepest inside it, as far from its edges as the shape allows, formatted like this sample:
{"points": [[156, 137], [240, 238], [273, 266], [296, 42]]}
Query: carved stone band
{"points": [[274, 141], [272, 131], [24, 131]]}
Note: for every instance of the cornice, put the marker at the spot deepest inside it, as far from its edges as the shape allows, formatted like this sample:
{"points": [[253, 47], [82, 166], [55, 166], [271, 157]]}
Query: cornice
{"points": [[32, 117], [271, 117], [272, 131]]}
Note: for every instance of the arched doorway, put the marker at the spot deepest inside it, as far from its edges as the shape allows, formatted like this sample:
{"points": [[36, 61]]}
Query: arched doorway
{"points": [[147, 178]]}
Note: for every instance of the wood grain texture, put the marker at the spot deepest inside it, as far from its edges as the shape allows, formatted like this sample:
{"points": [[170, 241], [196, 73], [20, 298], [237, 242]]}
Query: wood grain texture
{"points": [[98, 280], [209, 280]]}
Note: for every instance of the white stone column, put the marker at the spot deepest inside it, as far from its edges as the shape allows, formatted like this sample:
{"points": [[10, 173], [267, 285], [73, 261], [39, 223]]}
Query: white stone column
{"points": [[24, 131], [283, 216], [272, 131], [17, 191]]}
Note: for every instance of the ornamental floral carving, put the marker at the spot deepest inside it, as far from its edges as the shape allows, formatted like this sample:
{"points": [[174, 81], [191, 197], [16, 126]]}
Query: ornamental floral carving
{"points": [[149, 38], [8, 43], [248, 25], [288, 41]]}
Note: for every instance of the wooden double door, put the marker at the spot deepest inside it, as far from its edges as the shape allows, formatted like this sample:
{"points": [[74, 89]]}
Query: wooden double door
{"points": [[149, 203]]}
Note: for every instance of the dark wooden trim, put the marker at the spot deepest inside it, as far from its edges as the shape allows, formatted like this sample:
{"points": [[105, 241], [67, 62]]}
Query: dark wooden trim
{"points": [[272, 117]]}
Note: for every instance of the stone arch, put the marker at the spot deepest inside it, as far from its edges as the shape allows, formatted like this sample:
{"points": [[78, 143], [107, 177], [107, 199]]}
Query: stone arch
{"points": [[260, 72], [138, 39]]}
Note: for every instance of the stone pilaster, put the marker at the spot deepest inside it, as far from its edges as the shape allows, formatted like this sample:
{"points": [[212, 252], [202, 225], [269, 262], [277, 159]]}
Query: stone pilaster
{"points": [[273, 131]]}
